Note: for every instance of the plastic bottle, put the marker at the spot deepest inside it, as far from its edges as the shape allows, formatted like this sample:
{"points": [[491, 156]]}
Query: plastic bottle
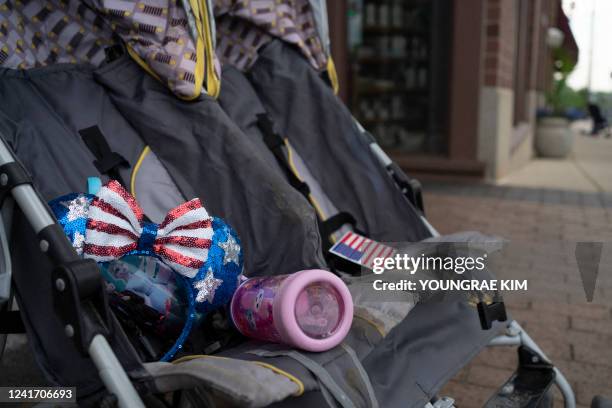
{"points": [[311, 310]]}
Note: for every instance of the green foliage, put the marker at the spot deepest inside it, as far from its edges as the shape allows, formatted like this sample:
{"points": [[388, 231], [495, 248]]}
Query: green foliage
{"points": [[561, 95], [564, 62], [568, 97]]}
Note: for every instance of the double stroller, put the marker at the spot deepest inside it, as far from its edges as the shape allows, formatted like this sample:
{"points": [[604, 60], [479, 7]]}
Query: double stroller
{"points": [[233, 102]]}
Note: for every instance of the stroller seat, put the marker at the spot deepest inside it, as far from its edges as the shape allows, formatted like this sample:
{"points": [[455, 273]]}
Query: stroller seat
{"points": [[176, 148], [30, 145]]}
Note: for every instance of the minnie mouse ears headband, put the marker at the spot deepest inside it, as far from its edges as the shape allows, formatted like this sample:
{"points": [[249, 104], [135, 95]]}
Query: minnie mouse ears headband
{"points": [[203, 250]]}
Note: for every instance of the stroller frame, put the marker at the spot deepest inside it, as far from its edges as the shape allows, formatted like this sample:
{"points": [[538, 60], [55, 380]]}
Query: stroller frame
{"points": [[15, 182], [515, 335]]}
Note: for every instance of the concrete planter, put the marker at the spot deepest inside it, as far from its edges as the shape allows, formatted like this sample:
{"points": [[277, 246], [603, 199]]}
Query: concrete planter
{"points": [[554, 138]]}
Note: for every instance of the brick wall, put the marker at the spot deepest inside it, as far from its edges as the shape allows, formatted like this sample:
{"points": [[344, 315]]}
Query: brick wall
{"points": [[548, 19], [500, 38], [536, 44]]}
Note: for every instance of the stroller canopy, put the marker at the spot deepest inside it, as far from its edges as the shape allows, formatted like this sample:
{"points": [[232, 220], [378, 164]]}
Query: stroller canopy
{"points": [[215, 150], [173, 41]]}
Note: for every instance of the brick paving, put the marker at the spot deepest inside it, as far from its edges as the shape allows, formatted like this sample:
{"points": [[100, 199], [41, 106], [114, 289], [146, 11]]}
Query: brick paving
{"points": [[577, 335]]}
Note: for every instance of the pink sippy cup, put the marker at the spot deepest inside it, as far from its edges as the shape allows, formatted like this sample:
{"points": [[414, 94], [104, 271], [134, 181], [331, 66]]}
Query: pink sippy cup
{"points": [[311, 310]]}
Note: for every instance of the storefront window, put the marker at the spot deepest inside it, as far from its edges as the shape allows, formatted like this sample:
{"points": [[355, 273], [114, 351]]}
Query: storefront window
{"points": [[395, 76]]}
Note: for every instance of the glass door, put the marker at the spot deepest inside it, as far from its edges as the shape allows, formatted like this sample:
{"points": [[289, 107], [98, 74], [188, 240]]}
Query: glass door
{"points": [[400, 71]]}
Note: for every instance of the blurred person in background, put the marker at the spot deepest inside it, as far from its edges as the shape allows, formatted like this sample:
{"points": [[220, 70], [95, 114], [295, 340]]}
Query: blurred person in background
{"points": [[599, 121]]}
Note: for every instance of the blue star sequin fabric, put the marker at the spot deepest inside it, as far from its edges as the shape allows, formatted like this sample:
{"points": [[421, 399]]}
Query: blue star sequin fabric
{"points": [[211, 288], [71, 213], [220, 273]]}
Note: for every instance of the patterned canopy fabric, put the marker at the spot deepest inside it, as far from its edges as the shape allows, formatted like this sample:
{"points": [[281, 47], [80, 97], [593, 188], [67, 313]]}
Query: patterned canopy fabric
{"points": [[36, 33], [166, 37], [173, 40], [244, 26]]}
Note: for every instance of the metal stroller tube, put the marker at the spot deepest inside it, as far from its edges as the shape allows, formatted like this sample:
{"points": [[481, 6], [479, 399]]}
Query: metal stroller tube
{"points": [[35, 211], [517, 336], [5, 291], [111, 372]]}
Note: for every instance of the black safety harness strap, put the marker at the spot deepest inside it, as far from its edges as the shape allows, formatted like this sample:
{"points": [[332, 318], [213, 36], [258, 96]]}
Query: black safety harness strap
{"points": [[107, 161], [335, 222], [275, 143]]}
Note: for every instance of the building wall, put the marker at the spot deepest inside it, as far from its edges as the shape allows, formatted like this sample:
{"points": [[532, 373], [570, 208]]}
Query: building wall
{"points": [[502, 66], [499, 70], [499, 20], [497, 94], [466, 79], [517, 71]]}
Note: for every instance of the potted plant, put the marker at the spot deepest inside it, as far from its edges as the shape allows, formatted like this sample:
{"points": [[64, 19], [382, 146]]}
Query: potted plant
{"points": [[554, 138]]}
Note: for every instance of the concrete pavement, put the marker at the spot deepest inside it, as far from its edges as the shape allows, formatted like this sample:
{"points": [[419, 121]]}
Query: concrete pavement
{"points": [[589, 168], [576, 334], [546, 204]]}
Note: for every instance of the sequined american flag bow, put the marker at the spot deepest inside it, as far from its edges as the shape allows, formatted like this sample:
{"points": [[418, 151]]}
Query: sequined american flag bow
{"points": [[116, 227]]}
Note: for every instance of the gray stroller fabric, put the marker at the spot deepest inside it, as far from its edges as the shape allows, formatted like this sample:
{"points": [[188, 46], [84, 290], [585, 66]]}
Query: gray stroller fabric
{"points": [[245, 384], [406, 368], [49, 106], [257, 374], [322, 131], [41, 111], [209, 157], [239, 100], [338, 371], [423, 352], [206, 155], [204, 152], [45, 140], [56, 355]]}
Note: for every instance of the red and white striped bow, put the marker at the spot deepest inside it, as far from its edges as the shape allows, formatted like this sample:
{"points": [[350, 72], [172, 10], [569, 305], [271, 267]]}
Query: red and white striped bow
{"points": [[116, 227]]}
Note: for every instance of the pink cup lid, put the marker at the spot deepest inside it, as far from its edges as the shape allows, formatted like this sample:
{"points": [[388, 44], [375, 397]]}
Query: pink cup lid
{"points": [[315, 309], [319, 310]]}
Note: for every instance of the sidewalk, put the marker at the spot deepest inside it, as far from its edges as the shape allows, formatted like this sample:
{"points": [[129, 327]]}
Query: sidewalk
{"points": [[545, 204], [588, 169]]}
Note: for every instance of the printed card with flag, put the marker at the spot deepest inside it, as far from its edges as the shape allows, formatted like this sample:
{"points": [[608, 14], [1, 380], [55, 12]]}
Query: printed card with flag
{"points": [[361, 250]]}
